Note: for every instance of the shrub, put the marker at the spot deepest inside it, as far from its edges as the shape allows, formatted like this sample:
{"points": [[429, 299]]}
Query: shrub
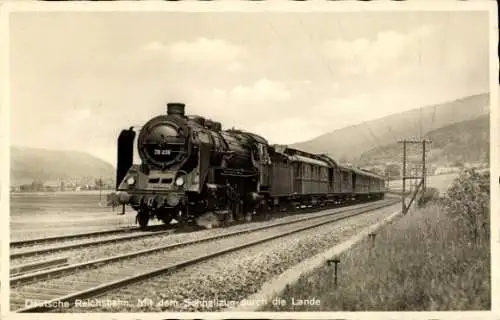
{"points": [[468, 201], [112, 200], [430, 194]]}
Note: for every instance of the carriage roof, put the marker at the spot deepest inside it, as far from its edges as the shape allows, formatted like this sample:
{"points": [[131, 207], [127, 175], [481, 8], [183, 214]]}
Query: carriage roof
{"points": [[304, 159], [367, 173], [302, 156]]}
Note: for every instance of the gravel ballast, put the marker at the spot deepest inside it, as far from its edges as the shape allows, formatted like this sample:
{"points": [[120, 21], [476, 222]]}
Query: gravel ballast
{"points": [[100, 251], [210, 285], [46, 290]]}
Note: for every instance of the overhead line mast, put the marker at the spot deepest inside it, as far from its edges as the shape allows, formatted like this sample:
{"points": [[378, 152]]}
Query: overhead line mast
{"points": [[422, 178]]}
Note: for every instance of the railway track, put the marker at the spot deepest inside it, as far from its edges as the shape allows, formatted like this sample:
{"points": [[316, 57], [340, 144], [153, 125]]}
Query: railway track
{"points": [[71, 243], [25, 252], [23, 244], [46, 290], [61, 239]]}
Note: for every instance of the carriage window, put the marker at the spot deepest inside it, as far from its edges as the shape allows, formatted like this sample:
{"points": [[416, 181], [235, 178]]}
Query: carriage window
{"points": [[345, 177]]}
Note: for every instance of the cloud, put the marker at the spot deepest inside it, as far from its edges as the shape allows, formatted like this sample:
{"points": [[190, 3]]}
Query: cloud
{"points": [[287, 130], [386, 52], [200, 51], [244, 106], [154, 47], [78, 115], [260, 92], [301, 82], [235, 66]]}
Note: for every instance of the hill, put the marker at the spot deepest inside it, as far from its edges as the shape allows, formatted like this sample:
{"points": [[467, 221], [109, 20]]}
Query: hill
{"points": [[347, 144], [30, 164], [463, 142]]}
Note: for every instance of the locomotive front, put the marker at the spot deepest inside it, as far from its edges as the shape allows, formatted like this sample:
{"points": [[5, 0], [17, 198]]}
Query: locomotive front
{"points": [[159, 185]]}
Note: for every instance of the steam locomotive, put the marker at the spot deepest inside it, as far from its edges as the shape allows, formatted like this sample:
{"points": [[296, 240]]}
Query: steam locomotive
{"points": [[190, 167]]}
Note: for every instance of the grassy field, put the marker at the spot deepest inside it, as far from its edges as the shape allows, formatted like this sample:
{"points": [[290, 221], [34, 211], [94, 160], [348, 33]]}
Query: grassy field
{"points": [[64, 210], [440, 182], [434, 258], [35, 203]]}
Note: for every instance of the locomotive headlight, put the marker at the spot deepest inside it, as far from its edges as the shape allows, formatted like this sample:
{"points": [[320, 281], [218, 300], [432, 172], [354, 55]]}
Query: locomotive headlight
{"points": [[130, 181], [179, 181]]}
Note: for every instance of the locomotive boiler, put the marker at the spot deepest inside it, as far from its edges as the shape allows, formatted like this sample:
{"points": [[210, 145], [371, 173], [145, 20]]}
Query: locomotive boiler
{"points": [[190, 166]]}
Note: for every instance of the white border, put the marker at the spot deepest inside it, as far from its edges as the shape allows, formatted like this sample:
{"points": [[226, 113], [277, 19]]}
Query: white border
{"points": [[252, 6], [4, 159], [494, 162], [258, 6]]}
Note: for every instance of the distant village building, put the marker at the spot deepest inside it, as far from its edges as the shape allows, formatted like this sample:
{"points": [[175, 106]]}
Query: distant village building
{"points": [[478, 165], [61, 184], [446, 170], [52, 185]]}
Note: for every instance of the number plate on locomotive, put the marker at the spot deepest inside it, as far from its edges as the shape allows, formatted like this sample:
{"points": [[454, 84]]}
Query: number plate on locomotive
{"points": [[162, 152]]}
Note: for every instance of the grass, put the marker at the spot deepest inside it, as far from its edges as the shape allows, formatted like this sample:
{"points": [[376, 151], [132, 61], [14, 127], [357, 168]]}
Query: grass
{"points": [[440, 182], [429, 260], [36, 213]]}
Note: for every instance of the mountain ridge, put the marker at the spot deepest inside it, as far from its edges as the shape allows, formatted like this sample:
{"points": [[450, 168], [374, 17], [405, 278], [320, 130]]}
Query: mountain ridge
{"points": [[30, 164], [397, 126], [455, 144]]}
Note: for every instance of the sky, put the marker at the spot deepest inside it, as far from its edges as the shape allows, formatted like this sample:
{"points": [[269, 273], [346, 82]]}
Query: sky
{"points": [[78, 78]]}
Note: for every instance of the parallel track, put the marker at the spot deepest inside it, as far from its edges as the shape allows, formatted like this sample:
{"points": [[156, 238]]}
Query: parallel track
{"points": [[75, 245], [67, 284], [94, 234], [38, 248]]}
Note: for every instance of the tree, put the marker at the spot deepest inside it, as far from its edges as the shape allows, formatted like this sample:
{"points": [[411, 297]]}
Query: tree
{"points": [[468, 202], [458, 163], [36, 185], [99, 183]]}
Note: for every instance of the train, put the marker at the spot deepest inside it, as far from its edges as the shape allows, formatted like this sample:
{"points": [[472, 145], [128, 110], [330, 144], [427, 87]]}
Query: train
{"points": [[190, 166]]}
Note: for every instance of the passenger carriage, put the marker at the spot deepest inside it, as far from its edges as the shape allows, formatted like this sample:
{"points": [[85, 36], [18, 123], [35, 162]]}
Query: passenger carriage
{"points": [[309, 179]]}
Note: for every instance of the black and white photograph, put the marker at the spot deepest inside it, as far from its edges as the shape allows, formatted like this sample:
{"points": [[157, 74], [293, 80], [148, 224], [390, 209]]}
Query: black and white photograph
{"points": [[253, 160]]}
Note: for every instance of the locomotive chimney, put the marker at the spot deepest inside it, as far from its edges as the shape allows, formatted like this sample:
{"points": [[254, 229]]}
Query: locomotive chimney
{"points": [[175, 108]]}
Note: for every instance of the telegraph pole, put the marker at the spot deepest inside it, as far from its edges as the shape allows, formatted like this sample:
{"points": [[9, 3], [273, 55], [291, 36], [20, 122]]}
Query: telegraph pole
{"points": [[424, 172], [403, 175], [100, 189], [388, 178], [413, 176]]}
